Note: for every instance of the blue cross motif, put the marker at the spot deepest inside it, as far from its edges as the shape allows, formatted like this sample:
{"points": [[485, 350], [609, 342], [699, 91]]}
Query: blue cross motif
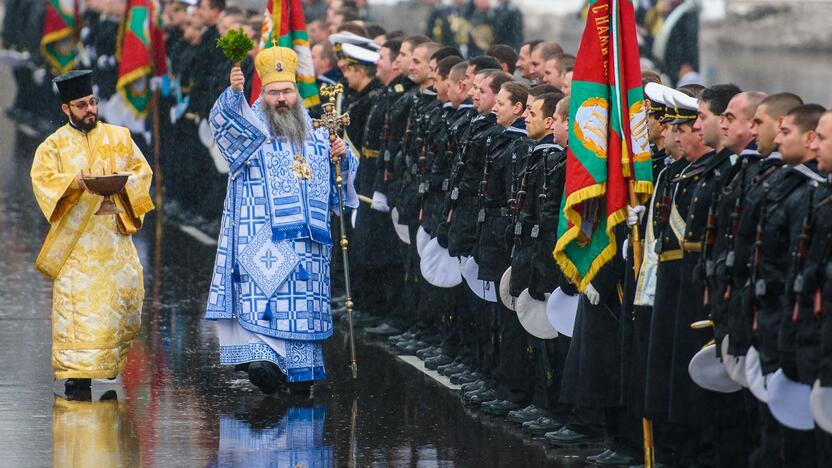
{"points": [[268, 259], [237, 142]]}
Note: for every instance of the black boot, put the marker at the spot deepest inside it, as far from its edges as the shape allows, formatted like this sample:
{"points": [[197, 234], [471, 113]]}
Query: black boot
{"points": [[78, 389], [265, 375]]}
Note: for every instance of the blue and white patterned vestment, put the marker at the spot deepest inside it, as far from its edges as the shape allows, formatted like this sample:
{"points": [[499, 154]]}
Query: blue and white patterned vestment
{"points": [[270, 290]]}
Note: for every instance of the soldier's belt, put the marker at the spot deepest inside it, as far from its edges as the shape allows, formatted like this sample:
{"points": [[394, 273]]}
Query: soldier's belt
{"points": [[369, 153], [192, 116], [497, 211], [671, 255], [688, 246]]}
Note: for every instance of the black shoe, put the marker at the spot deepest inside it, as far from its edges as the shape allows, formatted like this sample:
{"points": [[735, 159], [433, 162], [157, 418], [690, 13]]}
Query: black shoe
{"points": [[425, 353], [409, 350], [499, 407], [78, 389], [542, 425], [593, 459], [529, 413], [473, 386], [465, 377], [455, 369], [485, 387], [565, 437], [265, 375], [441, 360], [614, 459], [412, 346], [481, 397], [441, 368]]}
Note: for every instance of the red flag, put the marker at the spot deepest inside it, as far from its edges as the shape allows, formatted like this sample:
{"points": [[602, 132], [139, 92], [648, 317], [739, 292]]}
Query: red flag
{"points": [[608, 146], [140, 53]]}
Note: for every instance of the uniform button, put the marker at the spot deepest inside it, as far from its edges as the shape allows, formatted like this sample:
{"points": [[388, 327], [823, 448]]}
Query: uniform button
{"points": [[695, 177], [667, 239], [691, 216], [695, 199]]}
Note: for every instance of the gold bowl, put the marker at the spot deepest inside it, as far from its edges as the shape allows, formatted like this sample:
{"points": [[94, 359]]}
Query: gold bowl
{"points": [[107, 186]]}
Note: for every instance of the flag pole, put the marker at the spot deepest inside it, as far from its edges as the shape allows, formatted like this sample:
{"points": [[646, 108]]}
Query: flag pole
{"points": [[157, 145], [635, 234]]}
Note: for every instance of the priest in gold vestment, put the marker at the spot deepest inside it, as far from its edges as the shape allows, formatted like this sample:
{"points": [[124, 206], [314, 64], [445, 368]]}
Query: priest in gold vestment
{"points": [[97, 278]]}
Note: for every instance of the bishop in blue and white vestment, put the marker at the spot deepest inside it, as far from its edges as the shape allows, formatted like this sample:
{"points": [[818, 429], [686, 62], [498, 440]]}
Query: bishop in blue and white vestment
{"points": [[270, 291]]}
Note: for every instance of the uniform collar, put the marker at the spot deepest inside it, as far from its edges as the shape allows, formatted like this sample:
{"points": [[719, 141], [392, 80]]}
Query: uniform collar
{"points": [[547, 142], [519, 126]]}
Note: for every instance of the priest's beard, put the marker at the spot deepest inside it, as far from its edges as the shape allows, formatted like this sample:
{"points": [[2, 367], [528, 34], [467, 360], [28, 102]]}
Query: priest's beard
{"points": [[287, 122], [84, 123]]}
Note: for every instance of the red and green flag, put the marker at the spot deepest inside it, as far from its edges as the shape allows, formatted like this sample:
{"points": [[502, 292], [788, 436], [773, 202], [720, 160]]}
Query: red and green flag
{"points": [[140, 53], [608, 153], [59, 43], [284, 25]]}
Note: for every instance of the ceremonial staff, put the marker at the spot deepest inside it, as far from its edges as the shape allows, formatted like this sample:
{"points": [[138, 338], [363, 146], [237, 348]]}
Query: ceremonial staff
{"points": [[333, 122]]}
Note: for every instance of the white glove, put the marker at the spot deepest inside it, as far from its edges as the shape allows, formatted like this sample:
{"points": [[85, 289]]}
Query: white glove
{"points": [[39, 75], [380, 202], [156, 83], [592, 294], [625, 248], [634, 214]]}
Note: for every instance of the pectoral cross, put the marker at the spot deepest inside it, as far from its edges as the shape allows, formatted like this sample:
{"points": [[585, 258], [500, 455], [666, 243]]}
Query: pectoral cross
{"points": [[330, 119]]}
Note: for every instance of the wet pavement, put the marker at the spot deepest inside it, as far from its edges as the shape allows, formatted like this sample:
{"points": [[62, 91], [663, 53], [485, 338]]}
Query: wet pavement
{"points": [[176, 406]]}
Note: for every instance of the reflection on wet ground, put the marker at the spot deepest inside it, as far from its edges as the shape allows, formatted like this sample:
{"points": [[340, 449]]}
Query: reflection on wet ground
{"points": [[174, 405]]}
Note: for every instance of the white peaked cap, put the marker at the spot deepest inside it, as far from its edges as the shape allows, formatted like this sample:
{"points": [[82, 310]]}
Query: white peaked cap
{"points": [[505, 296], [359, 54], [707, 371], [346, 37], [561, 310], [438, 267], [485, 290], [789, 402], [655, 93], [532, 316]]}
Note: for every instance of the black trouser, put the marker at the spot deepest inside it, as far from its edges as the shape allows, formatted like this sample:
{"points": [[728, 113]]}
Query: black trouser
{"points": [[451, 337], [514, 381], [769, 452], [798, 448], [376, 288], [549, 358], [482, 319], [623, 434], [587, 420]]}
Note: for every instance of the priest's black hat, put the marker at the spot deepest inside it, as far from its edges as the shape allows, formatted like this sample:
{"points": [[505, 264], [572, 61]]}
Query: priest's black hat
{"points": [[74, 84]]}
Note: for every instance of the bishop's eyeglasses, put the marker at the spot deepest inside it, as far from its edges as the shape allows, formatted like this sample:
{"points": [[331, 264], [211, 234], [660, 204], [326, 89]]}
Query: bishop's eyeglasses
{"points": [[273, 93], [83, 105]]}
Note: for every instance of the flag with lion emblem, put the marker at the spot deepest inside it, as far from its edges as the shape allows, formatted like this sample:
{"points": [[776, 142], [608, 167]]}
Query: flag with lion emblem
{"points": [[608, 147]]}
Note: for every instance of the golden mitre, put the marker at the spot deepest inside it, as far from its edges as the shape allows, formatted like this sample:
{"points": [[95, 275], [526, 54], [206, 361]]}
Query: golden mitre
{"points": [[276, 64]]}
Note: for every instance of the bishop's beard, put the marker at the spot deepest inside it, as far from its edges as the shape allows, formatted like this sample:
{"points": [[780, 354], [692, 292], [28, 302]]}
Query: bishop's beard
{"points": [[288, 122]]}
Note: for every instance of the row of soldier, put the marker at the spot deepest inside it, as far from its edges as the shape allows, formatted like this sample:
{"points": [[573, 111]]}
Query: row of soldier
{"points": [[470, 162]]}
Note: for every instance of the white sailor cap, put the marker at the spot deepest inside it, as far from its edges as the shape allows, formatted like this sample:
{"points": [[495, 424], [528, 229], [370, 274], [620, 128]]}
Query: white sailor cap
{"points": [[358, 54], [532, 316], [655, 93], [190, 3], [347, 37], [685, 102]]}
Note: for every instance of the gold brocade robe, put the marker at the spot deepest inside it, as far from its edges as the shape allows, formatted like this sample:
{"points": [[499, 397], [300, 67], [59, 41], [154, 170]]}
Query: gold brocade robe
{"points": [[98, 289]]}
